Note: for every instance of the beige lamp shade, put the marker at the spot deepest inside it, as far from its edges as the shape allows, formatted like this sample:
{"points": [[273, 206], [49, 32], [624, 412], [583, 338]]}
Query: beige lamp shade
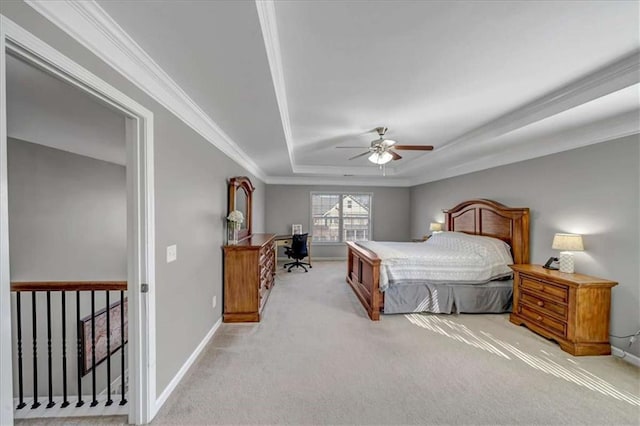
{"points": [[567, 242], [435, 226]]}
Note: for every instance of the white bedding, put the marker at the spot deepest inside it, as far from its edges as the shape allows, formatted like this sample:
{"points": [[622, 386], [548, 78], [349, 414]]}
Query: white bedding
{"points": [[446, 257]]}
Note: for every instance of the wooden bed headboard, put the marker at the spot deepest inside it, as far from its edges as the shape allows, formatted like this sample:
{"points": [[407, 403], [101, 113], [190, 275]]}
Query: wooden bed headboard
{"points": [[492, 219]]}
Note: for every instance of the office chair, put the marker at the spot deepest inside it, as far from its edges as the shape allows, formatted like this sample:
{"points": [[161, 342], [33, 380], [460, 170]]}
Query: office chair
{"points": [[297, 251]]}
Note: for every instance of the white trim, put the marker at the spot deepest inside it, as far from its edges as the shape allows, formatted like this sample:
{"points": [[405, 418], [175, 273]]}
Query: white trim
{"points": [[185, 367], [337, 181], [356, 171], [42, 412], [6, 352], [605, 130], [92, 27], [625, 356], [268, 24], [140, 202], [608, 79]]}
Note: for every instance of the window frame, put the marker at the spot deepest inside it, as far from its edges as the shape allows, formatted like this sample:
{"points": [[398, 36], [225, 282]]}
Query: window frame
{"points": [[340, 218]]}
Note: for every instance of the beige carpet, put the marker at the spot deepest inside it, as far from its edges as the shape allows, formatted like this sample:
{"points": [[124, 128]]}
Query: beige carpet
{"points": [[317, 359]]}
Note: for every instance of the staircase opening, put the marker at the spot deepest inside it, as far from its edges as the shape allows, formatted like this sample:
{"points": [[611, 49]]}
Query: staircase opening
{"points": [[68, 247]]}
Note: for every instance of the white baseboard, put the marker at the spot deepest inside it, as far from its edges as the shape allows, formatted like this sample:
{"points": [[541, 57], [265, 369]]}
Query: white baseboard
{"points": [[71, 410], [626, 356], [185, 367]]}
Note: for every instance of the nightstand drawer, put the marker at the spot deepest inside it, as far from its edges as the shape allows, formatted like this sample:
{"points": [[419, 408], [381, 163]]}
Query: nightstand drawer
{"points": [[546, 306], [543, 320], [553, 291]]}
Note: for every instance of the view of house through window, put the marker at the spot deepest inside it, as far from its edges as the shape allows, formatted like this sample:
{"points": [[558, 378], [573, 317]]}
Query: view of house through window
{"points": [[338, 217]]}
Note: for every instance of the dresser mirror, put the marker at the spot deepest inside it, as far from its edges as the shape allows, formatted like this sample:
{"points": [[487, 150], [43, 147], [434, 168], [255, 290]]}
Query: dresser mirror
{"points": [[240, 194]]}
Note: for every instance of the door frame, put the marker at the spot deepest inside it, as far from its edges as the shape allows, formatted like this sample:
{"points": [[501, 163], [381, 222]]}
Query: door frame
{"points": [[140, 220]]}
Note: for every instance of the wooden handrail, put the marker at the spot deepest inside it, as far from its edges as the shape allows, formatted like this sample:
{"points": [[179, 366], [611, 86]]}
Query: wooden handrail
{"points": [[69, 285]]}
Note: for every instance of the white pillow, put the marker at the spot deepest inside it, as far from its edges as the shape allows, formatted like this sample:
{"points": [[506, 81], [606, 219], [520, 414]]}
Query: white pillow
{"points": [[496, 253]]}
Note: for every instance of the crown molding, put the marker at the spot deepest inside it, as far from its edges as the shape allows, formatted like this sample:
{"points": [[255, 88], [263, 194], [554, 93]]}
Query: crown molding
{"points": [[348, 171], [92, 27], [268, 23], [610, 78], [597, 132], [605, 80], [338, 181]]}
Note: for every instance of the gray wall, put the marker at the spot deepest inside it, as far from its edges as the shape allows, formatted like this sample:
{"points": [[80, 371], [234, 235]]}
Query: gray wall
{"points": [[67, 221], [289, 204], [591, 191], [191, 203], [67, 215]]}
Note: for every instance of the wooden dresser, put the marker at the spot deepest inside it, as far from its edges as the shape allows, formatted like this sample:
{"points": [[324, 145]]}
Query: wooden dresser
{"points": [[572, 309], [249, 275]]}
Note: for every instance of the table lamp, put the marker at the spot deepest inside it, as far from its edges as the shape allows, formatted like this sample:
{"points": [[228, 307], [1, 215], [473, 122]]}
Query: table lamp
{"points": [[435, 227], [567, 243]]}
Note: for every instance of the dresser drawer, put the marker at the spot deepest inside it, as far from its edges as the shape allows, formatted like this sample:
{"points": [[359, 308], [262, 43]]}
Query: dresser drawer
{"points": [[555, 292], [543, 305], [543, 320]]}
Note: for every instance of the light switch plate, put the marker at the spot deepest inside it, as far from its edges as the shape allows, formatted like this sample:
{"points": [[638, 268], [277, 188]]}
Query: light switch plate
{"points": [[172, 253], [214, 301]]}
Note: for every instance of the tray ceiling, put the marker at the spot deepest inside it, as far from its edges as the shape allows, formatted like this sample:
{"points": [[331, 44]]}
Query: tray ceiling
{"points": [[486, 83]]}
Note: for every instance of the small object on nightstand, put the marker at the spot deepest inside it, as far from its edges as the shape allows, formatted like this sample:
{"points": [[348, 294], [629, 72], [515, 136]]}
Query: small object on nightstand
{"points": [[550, 262], [572, 309]]}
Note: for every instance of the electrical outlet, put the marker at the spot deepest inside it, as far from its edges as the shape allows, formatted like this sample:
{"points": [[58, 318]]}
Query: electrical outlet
{"points": [[172, 253], [214, 301]]}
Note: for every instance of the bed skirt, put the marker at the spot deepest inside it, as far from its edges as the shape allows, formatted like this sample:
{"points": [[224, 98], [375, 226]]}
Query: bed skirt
{"points": [[492, 297]]}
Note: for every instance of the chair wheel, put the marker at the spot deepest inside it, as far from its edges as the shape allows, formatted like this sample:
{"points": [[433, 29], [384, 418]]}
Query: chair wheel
{"points": [[310, 266], [289, 271]]}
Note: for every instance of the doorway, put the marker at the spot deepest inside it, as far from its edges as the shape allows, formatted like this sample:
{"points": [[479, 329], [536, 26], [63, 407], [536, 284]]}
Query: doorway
{"points": [[138, 308]]}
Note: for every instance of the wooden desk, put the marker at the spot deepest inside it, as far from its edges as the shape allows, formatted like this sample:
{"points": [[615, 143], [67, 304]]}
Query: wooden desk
{"points": [[285, 240]]}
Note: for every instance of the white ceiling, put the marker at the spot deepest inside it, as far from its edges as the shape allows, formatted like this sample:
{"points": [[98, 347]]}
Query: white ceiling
{"points": [[44, 110], [486, 83]]}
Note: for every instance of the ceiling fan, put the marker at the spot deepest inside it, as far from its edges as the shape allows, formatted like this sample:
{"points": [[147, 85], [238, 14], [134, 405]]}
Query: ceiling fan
{"points": [[381, 152]]}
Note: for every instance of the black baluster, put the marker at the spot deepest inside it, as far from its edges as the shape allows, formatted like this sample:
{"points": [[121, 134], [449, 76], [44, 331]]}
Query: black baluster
{"points": [[109, 400], [122, 378], [34, 320], [21, 403], [80, 402], [49, 359], [93, 348], [65, 401]]}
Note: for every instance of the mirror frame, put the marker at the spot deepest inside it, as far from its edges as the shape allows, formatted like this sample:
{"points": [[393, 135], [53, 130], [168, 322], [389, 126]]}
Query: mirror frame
{"points": [[241, 183]]}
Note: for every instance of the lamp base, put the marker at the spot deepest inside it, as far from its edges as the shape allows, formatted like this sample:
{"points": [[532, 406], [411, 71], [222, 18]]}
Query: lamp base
{"points": [[566, 262]]}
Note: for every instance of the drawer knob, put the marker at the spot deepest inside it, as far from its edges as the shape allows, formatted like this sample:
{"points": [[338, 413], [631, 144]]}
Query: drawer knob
{"points": [[539, 318], [540, 303]]}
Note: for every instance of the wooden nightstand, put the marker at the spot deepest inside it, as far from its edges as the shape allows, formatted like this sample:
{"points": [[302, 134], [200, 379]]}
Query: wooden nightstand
{"points": [[572, 309]]}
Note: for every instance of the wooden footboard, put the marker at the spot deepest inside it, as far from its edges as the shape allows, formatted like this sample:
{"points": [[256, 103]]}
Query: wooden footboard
{"points": [[363, 275]]}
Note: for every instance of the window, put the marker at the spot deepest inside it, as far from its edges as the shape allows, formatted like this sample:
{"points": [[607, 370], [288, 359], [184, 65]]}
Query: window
{"points": [[338, 217]]}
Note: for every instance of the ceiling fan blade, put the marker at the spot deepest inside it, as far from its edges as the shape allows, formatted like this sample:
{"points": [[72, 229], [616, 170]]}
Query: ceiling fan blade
{"points": [[414, 147], [395, 155], [359, 155]]}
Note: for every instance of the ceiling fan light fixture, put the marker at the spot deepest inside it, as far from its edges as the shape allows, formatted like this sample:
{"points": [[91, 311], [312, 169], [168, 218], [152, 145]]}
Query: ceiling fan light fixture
{"points": [[380, 157]]}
